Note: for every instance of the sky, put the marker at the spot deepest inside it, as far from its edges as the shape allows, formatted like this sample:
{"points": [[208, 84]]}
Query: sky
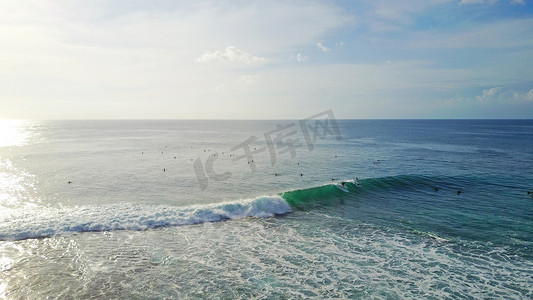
{"points": [[366, 59]]}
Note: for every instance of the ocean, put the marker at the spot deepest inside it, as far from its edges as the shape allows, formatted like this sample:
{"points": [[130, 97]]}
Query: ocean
{"points": [[283, 209]]}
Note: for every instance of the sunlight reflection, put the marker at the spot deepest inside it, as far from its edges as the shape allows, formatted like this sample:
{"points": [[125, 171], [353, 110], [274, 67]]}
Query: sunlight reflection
{"points": [[3, 287], [8, 250], [12, 133], [16, 184], [16, 187]]}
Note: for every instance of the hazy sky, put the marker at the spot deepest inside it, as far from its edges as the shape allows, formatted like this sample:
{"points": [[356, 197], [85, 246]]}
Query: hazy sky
{"points": [[266, 59]]}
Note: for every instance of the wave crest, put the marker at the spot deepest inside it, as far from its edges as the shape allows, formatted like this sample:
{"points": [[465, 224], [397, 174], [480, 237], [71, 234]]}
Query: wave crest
{"points": [[46, 222]]}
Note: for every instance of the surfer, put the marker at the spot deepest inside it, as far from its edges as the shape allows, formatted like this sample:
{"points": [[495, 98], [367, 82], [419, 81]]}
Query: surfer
{"points": [[301, 174], [69, 182], [343, 184], [436, 189], [164, 170], [459, 192]]}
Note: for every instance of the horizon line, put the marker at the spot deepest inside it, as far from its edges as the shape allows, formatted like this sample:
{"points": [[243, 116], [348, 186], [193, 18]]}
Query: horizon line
{"points": [[275, 119]]}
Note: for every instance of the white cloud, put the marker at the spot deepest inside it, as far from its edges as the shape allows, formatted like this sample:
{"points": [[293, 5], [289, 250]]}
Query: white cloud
{"points": [[130, 51], [302, 58], [146, 55], [529, 96], [489, 94], [518, 2], [267, 26], [322, 47], [504, 95], [490, 2], [232, 54]]}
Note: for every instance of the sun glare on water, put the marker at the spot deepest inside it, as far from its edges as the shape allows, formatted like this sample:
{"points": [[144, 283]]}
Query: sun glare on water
{"points": [[13, 179], [12, 133]]}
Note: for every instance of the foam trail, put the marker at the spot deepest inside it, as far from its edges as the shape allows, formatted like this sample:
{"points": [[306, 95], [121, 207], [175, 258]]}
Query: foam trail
{"points": [[46, 222]]}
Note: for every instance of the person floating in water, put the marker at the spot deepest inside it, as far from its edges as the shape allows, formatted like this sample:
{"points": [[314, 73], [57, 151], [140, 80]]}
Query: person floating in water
{"points": [[436, 189], [459, 192], [164, 170], [301, 174], [69, 182]]}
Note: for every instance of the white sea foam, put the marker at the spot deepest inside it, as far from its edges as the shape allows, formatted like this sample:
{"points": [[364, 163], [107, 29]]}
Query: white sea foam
{"points": [[44, 222]]}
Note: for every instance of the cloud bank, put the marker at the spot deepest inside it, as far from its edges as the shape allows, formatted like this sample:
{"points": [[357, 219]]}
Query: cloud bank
{"points": [[265, 59]]}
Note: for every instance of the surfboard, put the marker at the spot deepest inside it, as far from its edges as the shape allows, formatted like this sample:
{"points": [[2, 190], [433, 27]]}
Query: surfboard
{"points": [[354, 182], [342, 188]]}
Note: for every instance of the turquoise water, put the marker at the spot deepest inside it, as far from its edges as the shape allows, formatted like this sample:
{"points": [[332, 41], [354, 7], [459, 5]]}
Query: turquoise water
{"points": [[144, 217]]}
